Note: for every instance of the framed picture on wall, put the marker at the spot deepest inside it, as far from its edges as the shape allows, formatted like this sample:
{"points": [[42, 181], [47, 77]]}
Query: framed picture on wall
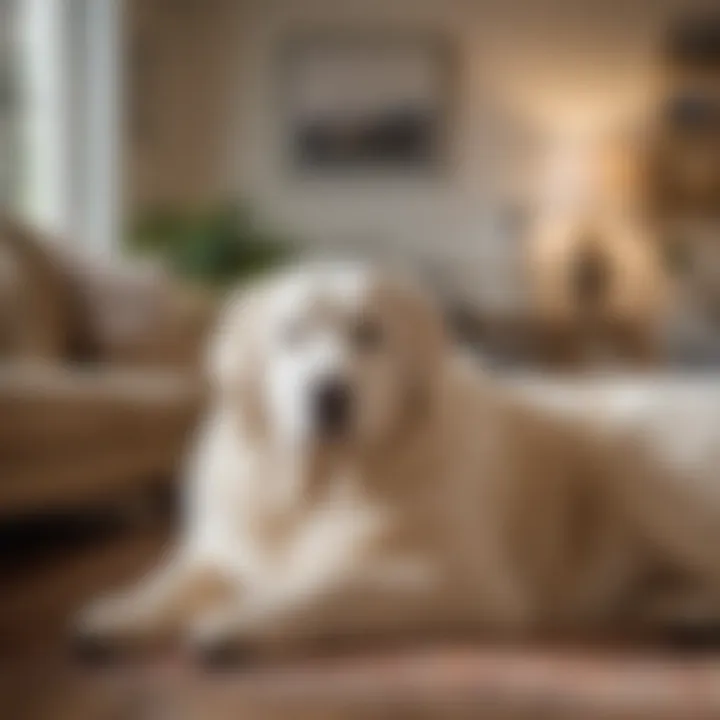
{"points": [[365, 102]]}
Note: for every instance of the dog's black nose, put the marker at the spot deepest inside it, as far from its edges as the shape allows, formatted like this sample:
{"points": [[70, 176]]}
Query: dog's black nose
{"points": [[332, 407]]}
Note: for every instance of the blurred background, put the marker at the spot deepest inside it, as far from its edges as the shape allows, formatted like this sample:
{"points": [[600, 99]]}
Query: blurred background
{"points": [[502, 149], [551, 168]]}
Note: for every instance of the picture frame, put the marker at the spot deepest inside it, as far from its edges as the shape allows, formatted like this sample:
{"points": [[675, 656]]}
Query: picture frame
{"points": [[367, 102]]}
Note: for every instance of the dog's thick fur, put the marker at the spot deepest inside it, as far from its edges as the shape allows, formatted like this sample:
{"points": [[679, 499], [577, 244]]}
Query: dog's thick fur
{"points": [[462, 502]]}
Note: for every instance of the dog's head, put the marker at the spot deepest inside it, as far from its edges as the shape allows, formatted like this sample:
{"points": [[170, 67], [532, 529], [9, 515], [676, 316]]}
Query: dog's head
{"points": [[329, 355]]}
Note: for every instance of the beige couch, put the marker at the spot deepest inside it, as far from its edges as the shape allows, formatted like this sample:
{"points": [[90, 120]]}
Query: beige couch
{"points": [[99, 376]]}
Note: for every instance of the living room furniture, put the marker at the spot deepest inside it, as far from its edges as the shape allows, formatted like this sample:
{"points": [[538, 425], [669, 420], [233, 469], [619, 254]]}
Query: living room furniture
{"points": [[100, 379]]}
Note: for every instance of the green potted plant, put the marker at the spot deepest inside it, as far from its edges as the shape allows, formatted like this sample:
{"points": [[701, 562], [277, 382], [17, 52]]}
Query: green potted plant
{"points": [[214, 247]]}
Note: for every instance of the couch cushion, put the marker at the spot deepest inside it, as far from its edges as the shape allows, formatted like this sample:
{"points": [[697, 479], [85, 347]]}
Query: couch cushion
{"points": [[68, 433], [46, 408]]}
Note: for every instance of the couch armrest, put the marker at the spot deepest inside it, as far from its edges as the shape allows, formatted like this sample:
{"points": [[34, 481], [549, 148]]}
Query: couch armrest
{"points": [[70, 436]]}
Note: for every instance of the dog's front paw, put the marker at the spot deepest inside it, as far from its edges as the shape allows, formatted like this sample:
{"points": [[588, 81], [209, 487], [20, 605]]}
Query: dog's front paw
{"points": [[109, 628], [217, 641]]}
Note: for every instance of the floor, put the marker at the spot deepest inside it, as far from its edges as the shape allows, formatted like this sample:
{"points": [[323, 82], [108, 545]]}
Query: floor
{"points": [[41, 679]]}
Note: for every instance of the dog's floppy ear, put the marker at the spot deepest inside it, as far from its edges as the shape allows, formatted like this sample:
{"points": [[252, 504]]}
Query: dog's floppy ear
{"points": [[430, 337], [426, 342], [233, 361]]}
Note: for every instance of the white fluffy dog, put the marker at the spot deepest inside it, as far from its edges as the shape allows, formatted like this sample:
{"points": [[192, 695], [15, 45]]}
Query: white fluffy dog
{"points": [[355, 475]]}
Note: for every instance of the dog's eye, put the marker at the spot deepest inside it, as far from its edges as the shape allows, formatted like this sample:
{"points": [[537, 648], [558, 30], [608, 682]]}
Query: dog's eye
{"points": [[367, 334]]}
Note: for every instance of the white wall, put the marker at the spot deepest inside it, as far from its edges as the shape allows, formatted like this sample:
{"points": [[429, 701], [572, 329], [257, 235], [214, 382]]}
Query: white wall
{"points": [[449, 219]]}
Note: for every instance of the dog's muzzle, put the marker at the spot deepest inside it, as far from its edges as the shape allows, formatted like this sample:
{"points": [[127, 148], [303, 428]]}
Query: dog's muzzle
{"points": [[332, 408]]}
